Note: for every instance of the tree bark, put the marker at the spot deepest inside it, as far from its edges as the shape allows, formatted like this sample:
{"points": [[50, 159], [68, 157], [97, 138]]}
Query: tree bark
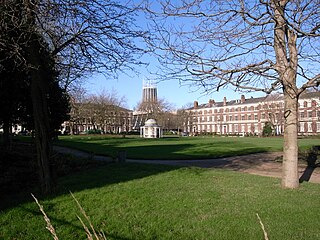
{"points": [[285, 46], [39, 93], [42, 138], [290, 178], [6, 134]]}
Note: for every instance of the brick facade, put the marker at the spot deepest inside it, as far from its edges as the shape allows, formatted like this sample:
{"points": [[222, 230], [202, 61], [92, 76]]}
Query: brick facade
{"points": [[248, 116]]}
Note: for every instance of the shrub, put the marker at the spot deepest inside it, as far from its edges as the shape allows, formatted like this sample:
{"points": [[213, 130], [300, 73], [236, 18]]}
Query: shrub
{"points": [[267, 129], [94, 131]]}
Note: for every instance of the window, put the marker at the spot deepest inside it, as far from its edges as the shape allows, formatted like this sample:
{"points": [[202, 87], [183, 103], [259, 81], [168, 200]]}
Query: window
{"points": [[263, 116], [255, 117], [249, 117], [310, 114], [305, 104], [314, 103], [236, 118], [230, 118], [301, 114], [243, 117]]}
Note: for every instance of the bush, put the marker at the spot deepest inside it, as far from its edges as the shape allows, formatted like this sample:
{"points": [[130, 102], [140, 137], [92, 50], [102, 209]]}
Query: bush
{"points": [[267, 129], [94, 131]]}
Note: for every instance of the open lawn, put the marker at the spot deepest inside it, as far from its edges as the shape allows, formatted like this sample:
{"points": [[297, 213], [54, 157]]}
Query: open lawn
{"points": [[178, 148], [137, 201]]}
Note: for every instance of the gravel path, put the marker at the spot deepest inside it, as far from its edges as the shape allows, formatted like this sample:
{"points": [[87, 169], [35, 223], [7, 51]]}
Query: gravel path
{"points": [[262, 164]]}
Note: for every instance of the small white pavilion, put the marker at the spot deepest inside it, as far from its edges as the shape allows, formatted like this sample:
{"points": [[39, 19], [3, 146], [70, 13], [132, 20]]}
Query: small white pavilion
{"points": [[151, 129]]}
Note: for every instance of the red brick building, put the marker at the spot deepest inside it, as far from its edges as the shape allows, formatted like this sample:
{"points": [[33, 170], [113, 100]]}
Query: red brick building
{"points": [[248, 116]]}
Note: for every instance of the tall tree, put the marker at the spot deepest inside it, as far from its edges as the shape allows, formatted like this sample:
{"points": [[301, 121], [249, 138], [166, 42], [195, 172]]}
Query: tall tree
{"points": [[259, 45], [73, 37]]}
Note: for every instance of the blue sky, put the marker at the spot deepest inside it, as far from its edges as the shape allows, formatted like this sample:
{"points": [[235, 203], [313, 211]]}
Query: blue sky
{"points": [[171, 91], [130, 85]]}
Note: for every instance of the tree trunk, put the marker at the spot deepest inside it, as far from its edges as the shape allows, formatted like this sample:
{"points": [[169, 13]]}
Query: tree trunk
{"points": [[290, 178], [42, 138], [6, 134], [285, 46], [39, 64], [39, 93]]}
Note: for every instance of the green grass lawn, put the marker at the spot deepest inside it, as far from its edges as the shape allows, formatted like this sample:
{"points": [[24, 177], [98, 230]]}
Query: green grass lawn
{"points": [[178, 148], [137, 201]]}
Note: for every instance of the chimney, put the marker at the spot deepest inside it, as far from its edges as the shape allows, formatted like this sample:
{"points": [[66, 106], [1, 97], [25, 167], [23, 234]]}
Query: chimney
{"points": [[224, 101], [195, 104], [243, 99], [211, 102]]}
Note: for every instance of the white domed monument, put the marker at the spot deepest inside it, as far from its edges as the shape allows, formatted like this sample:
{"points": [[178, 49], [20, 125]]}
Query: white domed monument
{"points": [[151, 129]]}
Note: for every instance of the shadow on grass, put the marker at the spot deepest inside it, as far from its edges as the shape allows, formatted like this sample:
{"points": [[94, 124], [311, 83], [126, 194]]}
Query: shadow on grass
{"points": [[190, 152], [112, 173], [169, 148], [116, 173], [108, 174], [311, 159]]}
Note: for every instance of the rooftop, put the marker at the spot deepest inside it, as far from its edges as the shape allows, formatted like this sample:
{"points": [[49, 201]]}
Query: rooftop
{"points": [[251, 100]]}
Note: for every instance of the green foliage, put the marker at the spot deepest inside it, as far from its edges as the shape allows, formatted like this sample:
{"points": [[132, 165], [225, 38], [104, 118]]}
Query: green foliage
{"points": [[136, 201], [94, 131], [267, 129], [17, 65]]}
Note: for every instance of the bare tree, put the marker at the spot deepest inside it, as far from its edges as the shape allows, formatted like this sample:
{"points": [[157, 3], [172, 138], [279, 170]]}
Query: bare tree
{"points": [[160, 109], [108, 110], [273, 112], [103, 111], [260, 45]]}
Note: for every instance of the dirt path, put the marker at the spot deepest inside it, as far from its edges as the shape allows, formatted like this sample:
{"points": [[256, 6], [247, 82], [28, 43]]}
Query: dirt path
{"points": [[262, 164]]}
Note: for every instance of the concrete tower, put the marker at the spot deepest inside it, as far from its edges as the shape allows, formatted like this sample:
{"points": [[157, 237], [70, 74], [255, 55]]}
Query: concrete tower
{"points": [[147, 106], [149, 94]]}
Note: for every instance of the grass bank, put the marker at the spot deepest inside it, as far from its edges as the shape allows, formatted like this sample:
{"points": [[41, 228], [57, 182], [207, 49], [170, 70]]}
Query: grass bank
{"points": [[178, 148], [137, 201]]}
